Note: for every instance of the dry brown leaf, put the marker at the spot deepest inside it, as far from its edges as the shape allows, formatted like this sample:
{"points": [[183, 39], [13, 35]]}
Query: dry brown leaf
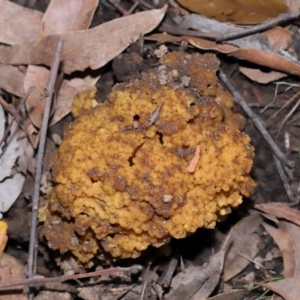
{"points": [[215, 266], [287, 237], [279, 39], [288, 288], [11, 270], [61, 16], [259, 57], [84, 49], [280, 210], [14, 86], [242, 242], [18, 24], [197, 282], [238, 11], [293, 5]]}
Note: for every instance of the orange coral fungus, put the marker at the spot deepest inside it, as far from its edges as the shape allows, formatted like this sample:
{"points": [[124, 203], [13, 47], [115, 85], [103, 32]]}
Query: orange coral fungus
{"points": [[124, 178]]}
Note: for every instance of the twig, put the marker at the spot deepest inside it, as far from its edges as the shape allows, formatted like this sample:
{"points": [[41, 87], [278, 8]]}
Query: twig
{"points": [[284, 179], [180, 31], [39, 164], [134, 269], [256, 120], [16, 114], [260, 27], [166, 277]]}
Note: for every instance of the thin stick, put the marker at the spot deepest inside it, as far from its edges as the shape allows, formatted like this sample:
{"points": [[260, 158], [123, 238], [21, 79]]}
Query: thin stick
{"points": [[16, 114], [260, 27], [39, 164], [134, 269], [238, 98]]}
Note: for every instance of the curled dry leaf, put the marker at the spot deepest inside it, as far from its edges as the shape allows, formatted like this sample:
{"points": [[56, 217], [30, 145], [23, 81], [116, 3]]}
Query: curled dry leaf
{"points": [[18, 24], [215, 270], [60, 17], [280, 210], [242, 243], [84, 49], [287, 237], [238, 11], [197, 282]]}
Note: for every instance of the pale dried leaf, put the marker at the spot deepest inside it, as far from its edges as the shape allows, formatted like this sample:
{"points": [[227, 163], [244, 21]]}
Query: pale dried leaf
{"points": [[83, 49], [9, 155], [286, 237], [18, 24], [238, 11], [67, 15], [60, 17], [280, 210], [242, 240], [288, 288], [14, 86], [10, 190]]}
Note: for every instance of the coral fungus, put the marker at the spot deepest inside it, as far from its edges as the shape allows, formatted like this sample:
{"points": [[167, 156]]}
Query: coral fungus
{"points": [[154, 161]]}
